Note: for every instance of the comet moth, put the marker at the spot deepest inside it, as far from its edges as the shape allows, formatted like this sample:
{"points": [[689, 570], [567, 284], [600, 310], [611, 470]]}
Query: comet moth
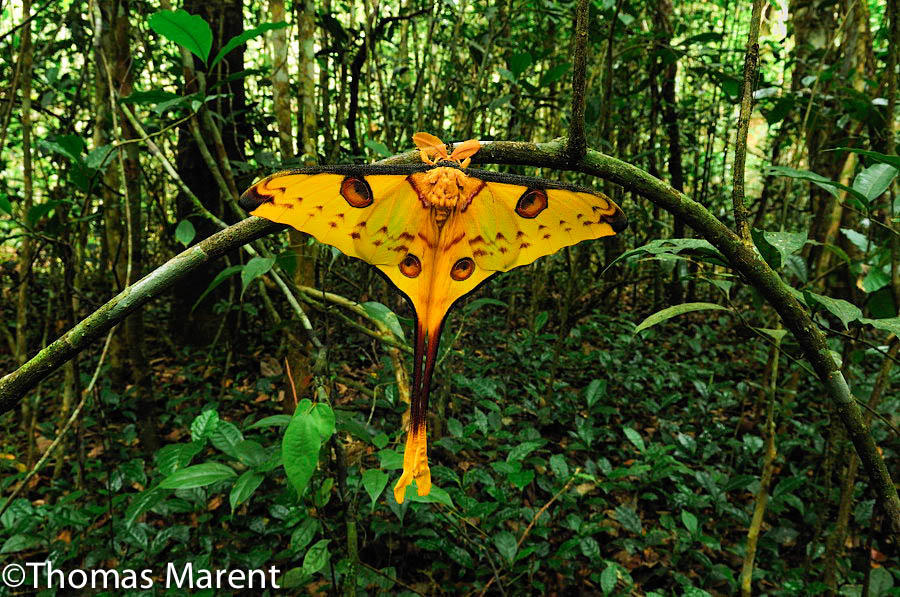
{"points": [[436, 230]]}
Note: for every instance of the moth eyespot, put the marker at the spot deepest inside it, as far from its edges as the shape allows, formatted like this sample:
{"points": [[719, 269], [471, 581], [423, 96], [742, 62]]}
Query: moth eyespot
{"points": [[462, 269], [531, 203], [410, 266], [356, 191]]}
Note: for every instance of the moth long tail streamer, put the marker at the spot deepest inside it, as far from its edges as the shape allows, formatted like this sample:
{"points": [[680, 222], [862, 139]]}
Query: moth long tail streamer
{"points": [[415, 454]]}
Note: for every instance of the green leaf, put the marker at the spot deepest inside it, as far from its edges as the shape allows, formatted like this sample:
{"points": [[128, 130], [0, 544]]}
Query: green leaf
{"points": [[555, 73], [153, 96], [437, 496], [690, 522], [540, 321], [595, 391], [185, 232], [859, 240], [271, 421], [892, 160], [880, 583], [874, 180], [776, 334], [775, 247], [383, 314], [70, 146], [888, 324], [559, 466], [518, 63], [187, 30], [221, 277], [226, 436], [304, 533], [506, 545], [590, 548], [674, 311], [244, 487], [481, 302], [198, 475], [521, 479], [374, 480], [250, 453], [143, 502], [875, 280], [20, 542], [300, 450], [254, 269], [242, 39], [629, 519], [317, 556], [323, 417], [204, 424], [39, 211], [635, 438], [817, 179], [671, 246], [840, 308], [5, 205], [176, 456], [608, 579], [520, 452], [378, 147], [626, 18]]}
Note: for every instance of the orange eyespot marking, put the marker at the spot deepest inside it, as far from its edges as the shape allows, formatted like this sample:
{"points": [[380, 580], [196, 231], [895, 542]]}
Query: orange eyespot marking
{"points": [[462, 269], [531, 203], [410, 266], [356, 191]]}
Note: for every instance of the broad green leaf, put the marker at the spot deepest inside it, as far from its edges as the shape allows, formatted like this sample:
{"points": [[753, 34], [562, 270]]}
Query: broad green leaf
{"points": [[383, 314], [198, 475], [559, 466], [840, 308], [506, 545], [881, 583], [518, 63], [5, 205], [204, 424], [187, 30], [481, 302], [891, 160], [671, 246], [674, 311], [521, 479], [555, 73], [242, 38], [254, 269], [70, 146], [153, 96], [540, 321], [378, 147], [888, 324], [374, 481], [629, 519], [20, 542], [300, 450], [590, 548], [304, 533], [39, 211], [250, 453], [608, 579], [874, 180], [690, 522], [176, 456], [317, 556], [875, 280], [626, 18], [244, 487], [436, 496], [817, 179], [226, 436], [777, 334], [635, 438], [595, 391], [520, 452], [775, 247], [323, 417], [185, 232], [271, 421], [143, 502], [859, 240], [221, 277]]}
